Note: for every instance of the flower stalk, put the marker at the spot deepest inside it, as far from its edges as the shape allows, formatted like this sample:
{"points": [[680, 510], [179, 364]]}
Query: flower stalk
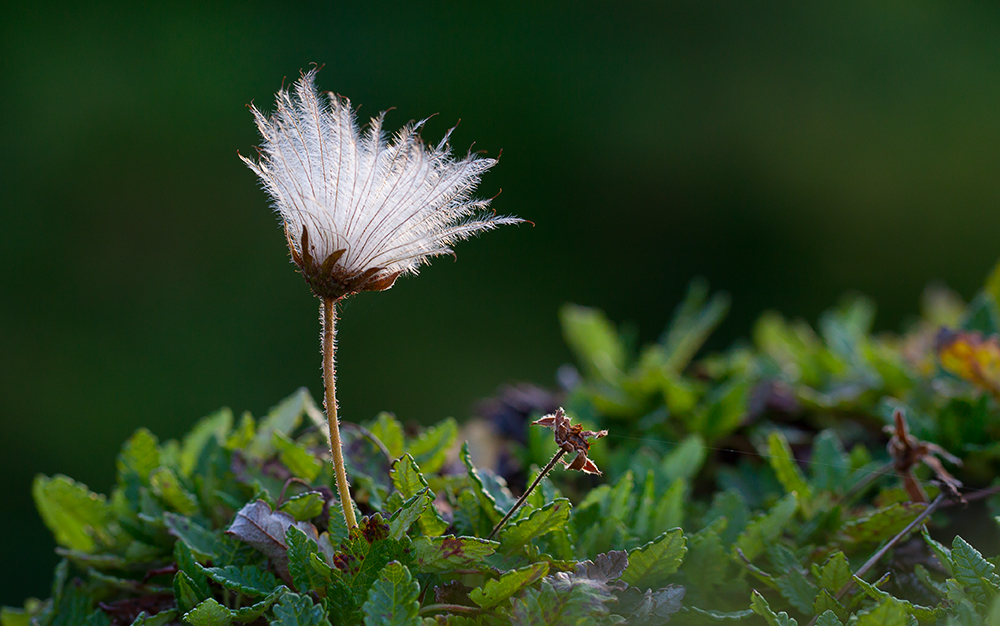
{"points": [[329, 318]]}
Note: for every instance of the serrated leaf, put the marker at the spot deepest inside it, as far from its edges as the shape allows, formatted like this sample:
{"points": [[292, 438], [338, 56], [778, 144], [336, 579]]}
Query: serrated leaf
{"points": [[203, 542], [974, 572], [297, 610], [797, 589], [408, 480], [692, 323], [209, 613], [649, 607], [882, 524], [408, 513], [304, 506], [486, 500], [550, 517], [75, 515], [650, 565], [299, 461], [829, 463], [783, 463], [828, 618], [760, 606], [604, 568], [252, 613], [430, 448], [392, 600], [764, 530], [168, 487], [922, 613], [139, 456], [387, 429], [834, 573], [889, 613], [249, 580], [300, 550], [497, 590], [443, 554]]}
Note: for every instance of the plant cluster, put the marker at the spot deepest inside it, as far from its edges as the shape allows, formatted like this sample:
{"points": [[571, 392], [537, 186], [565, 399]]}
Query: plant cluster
{"points": [[753, 485]]}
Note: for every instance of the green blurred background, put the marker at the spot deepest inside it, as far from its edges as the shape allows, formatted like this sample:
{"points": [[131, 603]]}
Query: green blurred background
{"points": [[787, 152]]}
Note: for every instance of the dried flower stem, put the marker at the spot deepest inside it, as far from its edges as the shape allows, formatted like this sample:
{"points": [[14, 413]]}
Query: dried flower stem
{"points": [[330, 400], [527, 492]]}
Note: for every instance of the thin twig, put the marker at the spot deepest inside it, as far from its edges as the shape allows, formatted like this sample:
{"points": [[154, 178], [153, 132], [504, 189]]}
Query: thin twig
{"points": [[524, 496]]}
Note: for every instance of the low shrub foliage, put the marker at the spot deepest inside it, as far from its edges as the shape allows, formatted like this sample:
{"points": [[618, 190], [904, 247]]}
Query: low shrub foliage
{"points": [[753, 486]]}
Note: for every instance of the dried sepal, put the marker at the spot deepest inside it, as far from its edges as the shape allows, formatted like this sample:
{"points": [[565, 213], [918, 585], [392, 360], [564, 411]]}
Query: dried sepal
{"points": [[907, 451], [572, 438]]}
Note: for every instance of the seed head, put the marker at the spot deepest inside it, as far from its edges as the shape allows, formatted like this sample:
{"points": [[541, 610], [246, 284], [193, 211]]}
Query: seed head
{"points": [[360, 210], [572, 438]]}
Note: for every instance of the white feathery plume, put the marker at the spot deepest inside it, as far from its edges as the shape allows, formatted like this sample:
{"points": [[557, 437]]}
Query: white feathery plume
{"points": [[360, 210]]}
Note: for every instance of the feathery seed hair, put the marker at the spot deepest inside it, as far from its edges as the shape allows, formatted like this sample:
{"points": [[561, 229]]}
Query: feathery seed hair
{"points": [[359, 210]]}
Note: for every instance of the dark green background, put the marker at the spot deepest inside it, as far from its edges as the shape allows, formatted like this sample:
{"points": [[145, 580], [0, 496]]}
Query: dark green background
{"points": [[786, 152]]}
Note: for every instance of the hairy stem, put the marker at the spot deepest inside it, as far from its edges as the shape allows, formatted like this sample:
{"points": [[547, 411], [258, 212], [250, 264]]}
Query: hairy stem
{"points": [[527, 492], [330, 400], [449, 608]]}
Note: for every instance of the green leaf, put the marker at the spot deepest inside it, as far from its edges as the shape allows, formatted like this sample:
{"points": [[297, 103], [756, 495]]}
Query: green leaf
{"points": [[650, 565], [139, 456], [249, 580], [722, 616], [486, 500], [299, 461], [922, 613], [684, 461], [797, 589], [834, 573], [252, 613], [186, 593], [76, 516], [430, 448], [443, 554], [882, 524], [889, 613], [297, 610], [722, 410], [209, 613], [14, 617], [552, 516], [760, 606], [408, 513], [387, 429], [942, 553], [974, 572], [203, 542], [830, 465], [783, 463], [300, 550], [283, 418], [409, 481], [766, 529], [497, 590], [594, 340], [217, 426], [304, 506], [392, 600], [168, 487], [693, 322], [828, 618]]}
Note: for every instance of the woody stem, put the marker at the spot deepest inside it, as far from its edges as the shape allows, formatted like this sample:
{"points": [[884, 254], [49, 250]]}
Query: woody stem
{"points": [[527, 492], [330, 400]]}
